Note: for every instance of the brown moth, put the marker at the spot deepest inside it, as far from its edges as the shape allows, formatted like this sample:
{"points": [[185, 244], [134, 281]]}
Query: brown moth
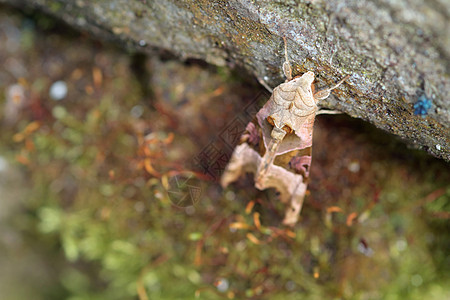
{"points": [[276, 145]]}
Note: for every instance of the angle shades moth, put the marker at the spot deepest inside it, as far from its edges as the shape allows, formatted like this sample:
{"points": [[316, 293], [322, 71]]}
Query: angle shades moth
{"points": [[276, 145]]}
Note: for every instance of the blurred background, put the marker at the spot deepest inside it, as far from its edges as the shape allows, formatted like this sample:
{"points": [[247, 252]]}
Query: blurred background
{"points": [[109, 168]]}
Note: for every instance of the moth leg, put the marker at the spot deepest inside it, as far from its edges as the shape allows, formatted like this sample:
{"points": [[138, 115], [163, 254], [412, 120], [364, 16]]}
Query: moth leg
{"points": [[328, 112], [244, 159], [287, 69], [295, 205], [264, 84], [323, 94], [277, 136]]}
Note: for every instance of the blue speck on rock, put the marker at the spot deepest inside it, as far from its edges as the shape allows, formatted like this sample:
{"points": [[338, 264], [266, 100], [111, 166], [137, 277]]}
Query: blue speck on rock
{"points": [[422, 106]]}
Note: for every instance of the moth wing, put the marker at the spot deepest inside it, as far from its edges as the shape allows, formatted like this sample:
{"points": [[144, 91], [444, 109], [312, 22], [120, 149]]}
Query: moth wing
{"points": [[288, 92], [292, 189], [244, 159]]}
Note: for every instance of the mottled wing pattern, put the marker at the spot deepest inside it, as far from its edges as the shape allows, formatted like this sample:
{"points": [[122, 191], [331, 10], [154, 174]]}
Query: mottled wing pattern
{"points": [[290, 169]]}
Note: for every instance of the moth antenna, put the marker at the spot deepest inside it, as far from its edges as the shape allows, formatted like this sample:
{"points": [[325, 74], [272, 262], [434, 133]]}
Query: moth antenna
{"points": [[339, 83], [285, 49], [287, 70], [277, 135], [323, 94], [328, 112], [264, 84]]}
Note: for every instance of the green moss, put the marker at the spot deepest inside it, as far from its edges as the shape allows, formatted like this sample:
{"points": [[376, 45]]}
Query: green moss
{"points": [[55, 7]]}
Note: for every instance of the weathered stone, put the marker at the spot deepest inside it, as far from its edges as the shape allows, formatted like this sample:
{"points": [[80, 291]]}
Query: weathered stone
{"points": [[396, 51]]}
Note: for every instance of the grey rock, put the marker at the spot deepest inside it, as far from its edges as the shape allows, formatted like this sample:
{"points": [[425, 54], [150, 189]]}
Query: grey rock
{"points": [[397, 51]]}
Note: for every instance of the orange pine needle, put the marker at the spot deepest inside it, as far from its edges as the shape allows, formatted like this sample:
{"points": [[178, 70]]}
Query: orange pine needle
{"points": [[29, 129], [256, 220], [253, 239], [22, 159], [32, 127], [169, 138], [29, 145], [198, 254], [239, 225], [290, 233], [149, 168], [249, 207], [97, 76], [142, 293], [332, 209], [350, 218]]}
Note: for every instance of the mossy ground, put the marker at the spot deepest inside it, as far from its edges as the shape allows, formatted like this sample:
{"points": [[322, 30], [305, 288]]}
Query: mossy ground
{"points": [[103, 168]]}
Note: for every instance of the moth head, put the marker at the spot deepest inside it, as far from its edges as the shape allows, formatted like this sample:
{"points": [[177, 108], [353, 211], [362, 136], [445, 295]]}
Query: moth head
{"points": [[304, 86], [292, 104]]}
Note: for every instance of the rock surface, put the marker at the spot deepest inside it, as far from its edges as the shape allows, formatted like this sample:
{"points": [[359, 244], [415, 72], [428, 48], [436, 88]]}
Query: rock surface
{"points": [[397, 51]]}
